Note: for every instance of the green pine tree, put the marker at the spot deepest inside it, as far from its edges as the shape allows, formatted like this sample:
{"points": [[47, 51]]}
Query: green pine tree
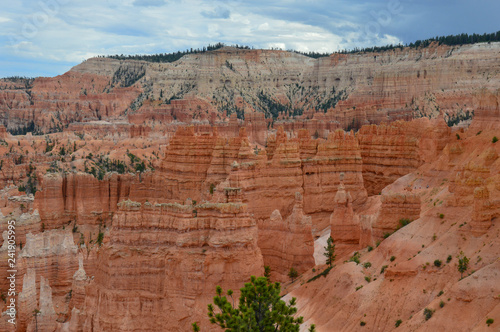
{"points": [[260, 309], [267, 272], [330, 251], [463, 263]]}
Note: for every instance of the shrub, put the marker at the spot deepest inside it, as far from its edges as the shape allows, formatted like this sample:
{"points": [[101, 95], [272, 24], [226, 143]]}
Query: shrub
{"points": [[393, 258], [368, 278], [458, 136], [448, 259], [441, 304], [437, 263], [100, 237], [490, 321], [324, 274], [367, 265], [441, 215], [494, 140], [383, 268], [403, 222], [370, 248], [440, 293], [355, 257], [398, 322], [293, 273], [428, 313], [386, 235], [362, 323]]}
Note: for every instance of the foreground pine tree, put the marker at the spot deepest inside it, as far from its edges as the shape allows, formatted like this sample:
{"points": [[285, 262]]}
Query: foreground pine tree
{"points": [[260, 309]]}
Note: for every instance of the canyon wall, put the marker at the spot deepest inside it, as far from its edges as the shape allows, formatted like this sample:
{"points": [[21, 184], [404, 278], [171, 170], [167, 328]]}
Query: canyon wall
{"points": [[161, 262]]}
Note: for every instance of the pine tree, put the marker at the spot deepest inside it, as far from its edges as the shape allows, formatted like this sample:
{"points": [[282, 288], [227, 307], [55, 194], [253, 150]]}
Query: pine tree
{"points": [[330, 251], [260, 309], [463, 263], [267, 272]]}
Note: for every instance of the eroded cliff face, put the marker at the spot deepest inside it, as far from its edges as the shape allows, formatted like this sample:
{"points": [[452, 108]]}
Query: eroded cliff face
{"points": [[321, 95], [49, 104], [393, 150], [453, 202], [161, 262], [288, 243]]}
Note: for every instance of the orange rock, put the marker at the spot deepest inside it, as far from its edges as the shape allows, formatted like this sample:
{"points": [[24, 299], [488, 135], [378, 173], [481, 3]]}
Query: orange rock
{"points": [[183, 252], [287, 243], [344, 225]]}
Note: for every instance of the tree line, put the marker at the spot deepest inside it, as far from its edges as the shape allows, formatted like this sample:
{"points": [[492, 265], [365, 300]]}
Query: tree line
{"points": [[174, 56], [450, 40]]}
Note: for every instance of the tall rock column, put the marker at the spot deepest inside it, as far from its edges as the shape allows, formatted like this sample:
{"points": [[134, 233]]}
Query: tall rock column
{"points": [[345, 227], [287, 243]]}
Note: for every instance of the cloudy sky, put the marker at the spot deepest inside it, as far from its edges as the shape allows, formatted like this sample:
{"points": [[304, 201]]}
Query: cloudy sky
{"points": [[48, 37]]}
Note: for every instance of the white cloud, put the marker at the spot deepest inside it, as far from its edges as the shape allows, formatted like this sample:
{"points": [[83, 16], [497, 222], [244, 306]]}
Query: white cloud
{"points": [[81, 29]]}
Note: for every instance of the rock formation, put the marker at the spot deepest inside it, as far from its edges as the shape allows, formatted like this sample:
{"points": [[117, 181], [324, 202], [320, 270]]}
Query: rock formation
{"points": [[344, 225], [155, 182], [170, 257], [287, 243]]}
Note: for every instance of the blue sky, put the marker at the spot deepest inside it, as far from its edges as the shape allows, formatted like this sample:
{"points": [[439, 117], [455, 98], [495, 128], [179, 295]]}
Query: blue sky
{"points": [[48, 37]]}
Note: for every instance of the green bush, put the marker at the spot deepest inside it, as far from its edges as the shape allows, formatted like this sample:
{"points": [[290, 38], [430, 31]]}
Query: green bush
{"points": [[441, 304], [437, 263], [494, 140], [393, 258], [428, 313], [367, 265], [100, 237], [370, 248], [448, 259], [322, 274], [383, 268], [362, 323], [490, 321], [293, 274], [398, 322], [403, 222], [441, 215], [355, 257]]}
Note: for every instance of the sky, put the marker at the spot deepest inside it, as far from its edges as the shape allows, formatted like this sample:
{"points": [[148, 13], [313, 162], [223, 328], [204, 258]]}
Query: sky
{"points": [[48, 37]]}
